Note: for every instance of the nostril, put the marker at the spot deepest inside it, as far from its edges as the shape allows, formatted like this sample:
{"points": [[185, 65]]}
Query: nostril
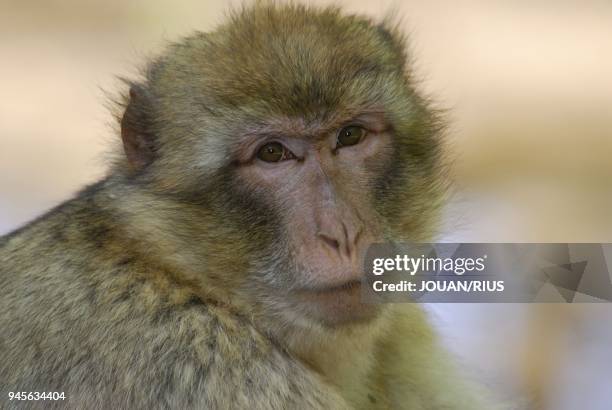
{"points": [[333, 243], [355, 240]]}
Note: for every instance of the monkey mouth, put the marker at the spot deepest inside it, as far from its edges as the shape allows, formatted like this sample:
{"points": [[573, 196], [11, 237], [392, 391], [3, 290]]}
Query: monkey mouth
{"points": [[345, 287], [336, 304]]}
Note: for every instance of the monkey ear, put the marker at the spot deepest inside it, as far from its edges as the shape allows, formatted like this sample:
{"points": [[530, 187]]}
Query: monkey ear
{"points": [[136, 129]]}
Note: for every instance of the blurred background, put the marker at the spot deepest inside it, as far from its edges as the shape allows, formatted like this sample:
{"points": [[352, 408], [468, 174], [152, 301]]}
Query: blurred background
{"points": [[528, 89]]}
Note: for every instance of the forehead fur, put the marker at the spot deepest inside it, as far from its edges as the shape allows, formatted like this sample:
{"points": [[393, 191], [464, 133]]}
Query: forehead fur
{"points": [[289, 59]]}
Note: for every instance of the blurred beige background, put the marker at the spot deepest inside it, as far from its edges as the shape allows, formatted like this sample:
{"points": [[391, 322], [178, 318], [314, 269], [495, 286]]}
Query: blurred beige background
{"points": [[528, 88]]}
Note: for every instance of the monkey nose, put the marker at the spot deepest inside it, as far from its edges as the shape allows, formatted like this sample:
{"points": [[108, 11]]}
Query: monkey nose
{"points": [[341, 238]]}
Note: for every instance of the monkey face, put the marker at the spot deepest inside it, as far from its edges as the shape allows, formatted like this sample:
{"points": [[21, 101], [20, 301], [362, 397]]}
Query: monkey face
{"points": [[296, 147]]}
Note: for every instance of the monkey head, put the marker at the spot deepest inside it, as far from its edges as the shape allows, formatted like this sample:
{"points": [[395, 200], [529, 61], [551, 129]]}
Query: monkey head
{"points": [[266, 156]]}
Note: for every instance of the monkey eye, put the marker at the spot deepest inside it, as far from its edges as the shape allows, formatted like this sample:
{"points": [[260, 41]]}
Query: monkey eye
{"points": [[350, 135], [274, 152]]}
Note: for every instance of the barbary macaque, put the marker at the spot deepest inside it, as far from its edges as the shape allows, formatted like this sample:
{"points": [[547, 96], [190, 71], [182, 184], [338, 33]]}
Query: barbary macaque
{"points": [[218, 265]]}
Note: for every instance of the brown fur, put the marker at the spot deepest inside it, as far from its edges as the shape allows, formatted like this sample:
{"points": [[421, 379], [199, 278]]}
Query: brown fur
{"points": [[143, 291]]}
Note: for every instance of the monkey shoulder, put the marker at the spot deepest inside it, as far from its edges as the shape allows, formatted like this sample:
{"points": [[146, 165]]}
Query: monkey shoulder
{"points": [[126, 338]]}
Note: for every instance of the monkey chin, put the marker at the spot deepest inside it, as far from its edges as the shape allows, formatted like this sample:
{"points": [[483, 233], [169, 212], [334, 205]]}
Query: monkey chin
{"points": [[337, 305]]}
